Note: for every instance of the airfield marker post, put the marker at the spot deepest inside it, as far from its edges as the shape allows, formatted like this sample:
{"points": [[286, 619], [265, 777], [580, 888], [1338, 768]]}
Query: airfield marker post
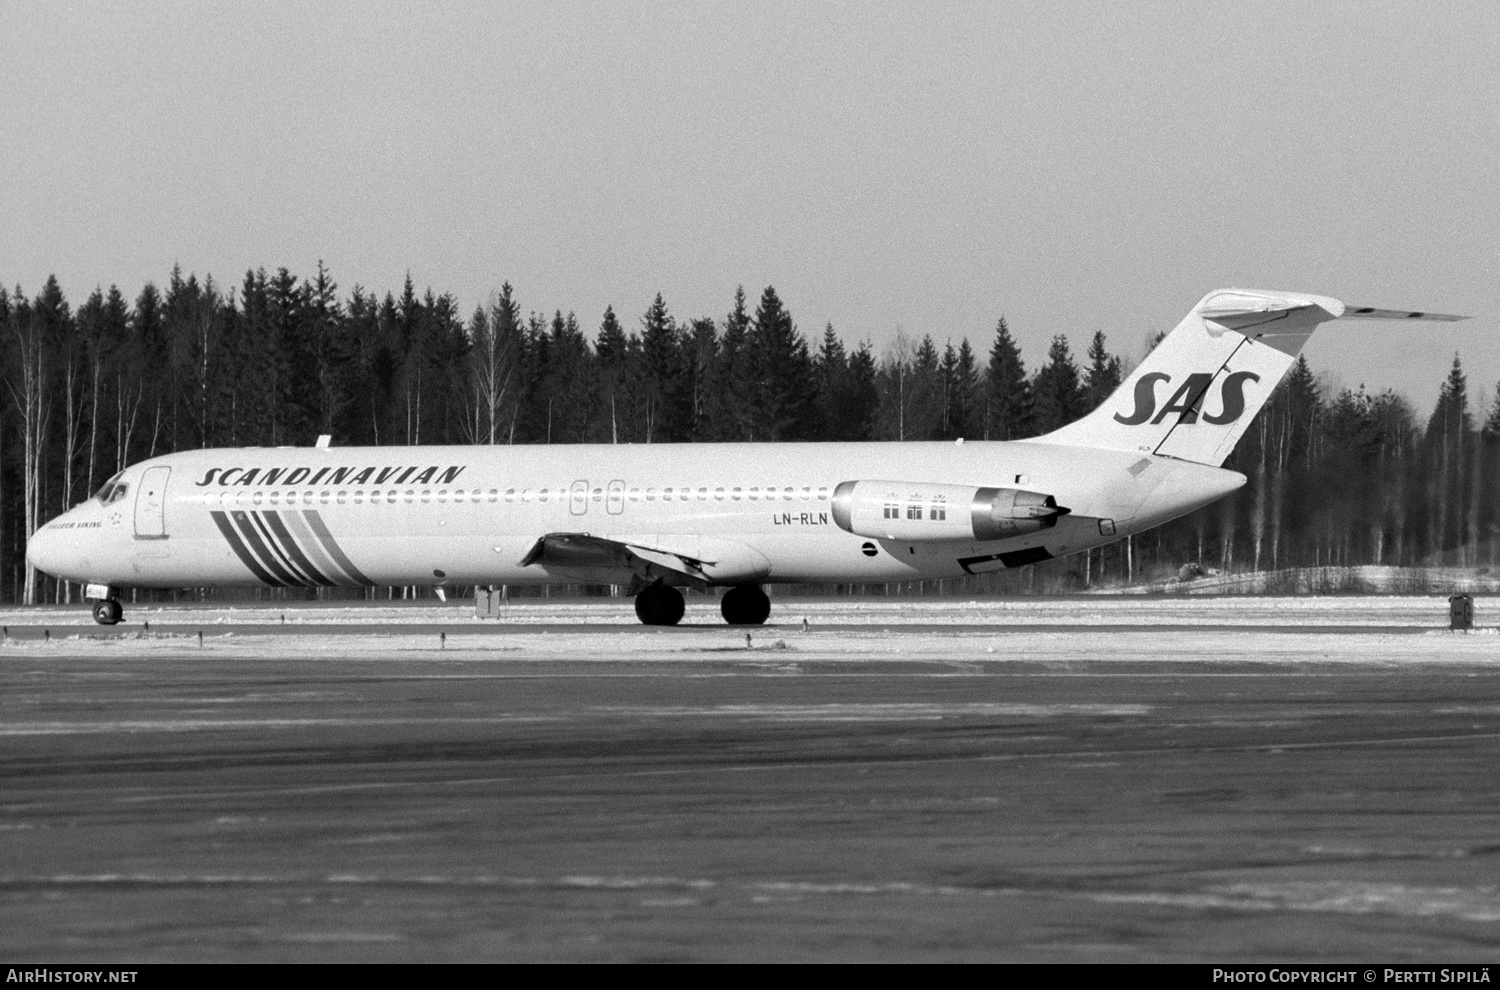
{"points": [[1460, 611]]}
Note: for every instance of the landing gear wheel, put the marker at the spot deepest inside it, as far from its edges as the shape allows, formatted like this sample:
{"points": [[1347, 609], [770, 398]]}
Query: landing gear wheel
{"points": [[659, 605], [745, 605], [107, 612]]}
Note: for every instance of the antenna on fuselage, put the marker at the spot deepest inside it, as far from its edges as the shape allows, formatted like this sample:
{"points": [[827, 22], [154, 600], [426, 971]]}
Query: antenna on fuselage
{"points": [[324, 439]]}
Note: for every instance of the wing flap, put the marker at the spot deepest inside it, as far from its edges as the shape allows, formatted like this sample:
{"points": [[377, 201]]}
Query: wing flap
{"points": [[581, 551]]}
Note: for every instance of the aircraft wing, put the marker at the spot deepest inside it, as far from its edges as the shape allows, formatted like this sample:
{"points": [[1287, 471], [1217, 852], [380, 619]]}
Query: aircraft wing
{"points": [[646, 564]]}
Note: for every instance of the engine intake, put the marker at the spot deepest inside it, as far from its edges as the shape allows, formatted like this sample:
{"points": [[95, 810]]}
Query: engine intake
{"points": [[918, 512]]}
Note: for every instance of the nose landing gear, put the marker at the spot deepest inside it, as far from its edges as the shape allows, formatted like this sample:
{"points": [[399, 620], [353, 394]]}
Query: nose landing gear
{"points": [[107, 611]]}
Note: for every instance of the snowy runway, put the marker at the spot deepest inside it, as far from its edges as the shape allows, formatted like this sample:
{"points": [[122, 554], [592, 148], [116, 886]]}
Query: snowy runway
{"points": [[1155, 779]]}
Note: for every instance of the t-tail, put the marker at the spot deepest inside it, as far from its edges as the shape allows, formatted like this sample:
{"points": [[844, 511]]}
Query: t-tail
{"points": [[1199, 389]]}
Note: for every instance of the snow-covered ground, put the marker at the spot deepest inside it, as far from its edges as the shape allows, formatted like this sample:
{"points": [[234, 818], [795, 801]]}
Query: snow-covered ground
{"points": [[1375, 630], [1364, 579], [1416, 611]]}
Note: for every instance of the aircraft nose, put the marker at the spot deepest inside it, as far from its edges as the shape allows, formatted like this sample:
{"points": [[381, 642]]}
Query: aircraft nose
{"points": [[42, 549], [50, 551]]}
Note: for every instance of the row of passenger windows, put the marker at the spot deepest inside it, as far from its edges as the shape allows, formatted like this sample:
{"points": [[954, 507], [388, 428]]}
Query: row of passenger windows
{"points": [[393, 496]]}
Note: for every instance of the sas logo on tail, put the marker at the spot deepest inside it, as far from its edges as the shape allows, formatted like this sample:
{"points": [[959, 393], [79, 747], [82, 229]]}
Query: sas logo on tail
{"points": [[1188, 399]]}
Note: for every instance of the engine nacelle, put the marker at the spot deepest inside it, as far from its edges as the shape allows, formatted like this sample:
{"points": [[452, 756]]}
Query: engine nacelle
{"points": [[918, 512]]}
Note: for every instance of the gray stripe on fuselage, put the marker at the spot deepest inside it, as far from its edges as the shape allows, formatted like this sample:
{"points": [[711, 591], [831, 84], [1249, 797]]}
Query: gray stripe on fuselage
{"points": [[309, 542], [326, 538]]}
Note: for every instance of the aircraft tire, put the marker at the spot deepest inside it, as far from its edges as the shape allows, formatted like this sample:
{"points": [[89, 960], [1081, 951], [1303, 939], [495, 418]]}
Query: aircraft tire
{"points": [[745, 605], [107, 611], [660, 605]]}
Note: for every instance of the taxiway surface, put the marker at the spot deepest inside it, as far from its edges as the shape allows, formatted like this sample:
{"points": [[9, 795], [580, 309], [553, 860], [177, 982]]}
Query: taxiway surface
{"points": [[845, 794]]}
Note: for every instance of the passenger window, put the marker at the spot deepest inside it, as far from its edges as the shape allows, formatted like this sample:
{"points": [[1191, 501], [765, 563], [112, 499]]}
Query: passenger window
{"points": [[786, 494], [822, 494], [323, 496], [359, 496], [443, 495], [806, 493], [754, 493], [719, 494], [411, 494], [274, 498], [735, 494], [342, 496], [703, 494], [256, 498], [651, 494], [598, 494], [426, 495], [510, 494]]}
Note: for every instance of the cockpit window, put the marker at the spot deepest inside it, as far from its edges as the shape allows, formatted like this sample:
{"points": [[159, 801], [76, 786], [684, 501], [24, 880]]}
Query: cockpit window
{"points": [[112, 491]]}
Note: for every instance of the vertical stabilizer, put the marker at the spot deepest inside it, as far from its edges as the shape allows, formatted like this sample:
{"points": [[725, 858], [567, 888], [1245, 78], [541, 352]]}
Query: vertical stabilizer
{"points": [[1198, 390]]}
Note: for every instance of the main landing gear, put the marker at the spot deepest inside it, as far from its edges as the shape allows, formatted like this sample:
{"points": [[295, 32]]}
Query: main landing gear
{"points": [[659, 605], [107, 611], [745, 605]]}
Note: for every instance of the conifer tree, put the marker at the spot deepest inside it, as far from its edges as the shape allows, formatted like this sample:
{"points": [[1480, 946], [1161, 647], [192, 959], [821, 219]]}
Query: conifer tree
{"points": [[610, 353], [664, 403], [830, 371], [729, 406], [781, 402], [1447, 442], [700, 362], [568, 382], [1103, 376], [368, 378], [1058, 393], [149, 361], [863, 396], [960, 383], [336, 354], [1008, 412]]}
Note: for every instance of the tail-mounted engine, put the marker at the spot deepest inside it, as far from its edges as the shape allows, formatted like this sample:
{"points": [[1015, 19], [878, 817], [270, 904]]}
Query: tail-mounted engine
{"points": [[917, 512]]}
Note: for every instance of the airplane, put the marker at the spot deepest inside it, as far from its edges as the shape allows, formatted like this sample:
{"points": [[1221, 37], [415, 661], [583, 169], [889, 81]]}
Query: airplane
{"points": [[659, 517]]}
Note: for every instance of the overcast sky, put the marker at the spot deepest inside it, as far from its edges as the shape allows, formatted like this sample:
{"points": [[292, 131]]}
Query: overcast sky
{"points": [[1073, 166]]}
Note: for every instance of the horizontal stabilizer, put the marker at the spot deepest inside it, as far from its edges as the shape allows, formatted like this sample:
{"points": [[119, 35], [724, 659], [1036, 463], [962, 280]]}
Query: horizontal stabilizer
{"points": [[1371, 313]]}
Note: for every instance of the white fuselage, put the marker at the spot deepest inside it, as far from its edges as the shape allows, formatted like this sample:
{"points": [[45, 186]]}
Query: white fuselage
{"points": [[747, 513]]}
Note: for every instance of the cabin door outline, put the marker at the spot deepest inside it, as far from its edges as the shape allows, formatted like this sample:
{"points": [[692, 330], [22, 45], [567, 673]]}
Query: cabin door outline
{"points": [[151, 504]]}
